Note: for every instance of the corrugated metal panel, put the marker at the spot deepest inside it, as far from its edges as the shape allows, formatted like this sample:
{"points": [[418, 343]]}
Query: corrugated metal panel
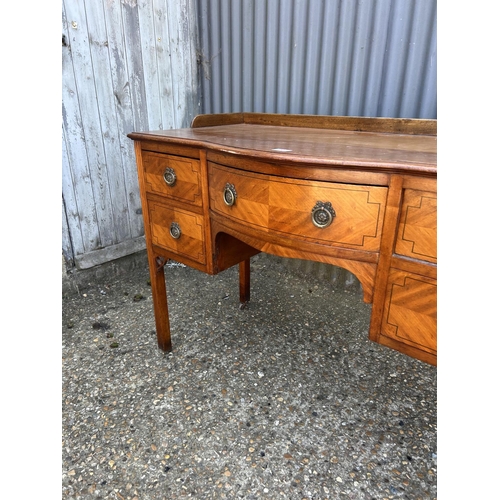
{"points": [[320, 57], [127, 65], [333, 57]]}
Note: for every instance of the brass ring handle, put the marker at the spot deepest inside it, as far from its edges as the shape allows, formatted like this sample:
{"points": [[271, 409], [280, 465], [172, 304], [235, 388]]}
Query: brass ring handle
{"points": [[175, 230], [169, 176], [322, 214], [229, 194]]}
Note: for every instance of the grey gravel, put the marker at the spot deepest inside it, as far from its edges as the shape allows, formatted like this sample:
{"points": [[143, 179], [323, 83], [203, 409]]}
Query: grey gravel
{"points": [[285, 398]]}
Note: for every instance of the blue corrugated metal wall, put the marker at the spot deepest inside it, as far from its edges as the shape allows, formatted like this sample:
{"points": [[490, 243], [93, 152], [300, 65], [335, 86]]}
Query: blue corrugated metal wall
{"points": [[319, 57], [333, 57]]}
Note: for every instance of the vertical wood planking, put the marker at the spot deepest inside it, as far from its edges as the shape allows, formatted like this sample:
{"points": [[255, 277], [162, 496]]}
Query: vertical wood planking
{"points": [[134, 63], [112, 179], [91, 121], [66, 239], [127, 65], [77, 186], [72, 192], [149, 70], [122, 101], [182, 29]]}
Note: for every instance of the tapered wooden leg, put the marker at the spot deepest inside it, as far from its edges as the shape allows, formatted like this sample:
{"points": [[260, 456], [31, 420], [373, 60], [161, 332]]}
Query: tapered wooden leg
{"points": [[245, 281], [159, 292]]}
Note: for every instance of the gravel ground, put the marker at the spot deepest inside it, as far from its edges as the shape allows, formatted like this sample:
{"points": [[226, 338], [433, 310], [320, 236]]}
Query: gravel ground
{"points": [[286, 398]]}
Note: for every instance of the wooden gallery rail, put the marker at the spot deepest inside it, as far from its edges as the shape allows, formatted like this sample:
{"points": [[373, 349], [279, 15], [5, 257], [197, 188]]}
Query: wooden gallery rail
{"points": [[359, 193]]}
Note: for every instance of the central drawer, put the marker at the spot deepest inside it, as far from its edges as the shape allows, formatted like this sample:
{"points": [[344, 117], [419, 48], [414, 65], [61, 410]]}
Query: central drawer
{"points": [[347, 215]]}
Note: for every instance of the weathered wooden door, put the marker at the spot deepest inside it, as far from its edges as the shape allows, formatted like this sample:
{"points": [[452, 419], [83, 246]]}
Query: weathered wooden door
{"points": [[126, 65]]}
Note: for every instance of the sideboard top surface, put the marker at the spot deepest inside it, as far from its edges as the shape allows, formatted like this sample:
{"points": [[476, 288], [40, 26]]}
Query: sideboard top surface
{"points": [[407, 152]]}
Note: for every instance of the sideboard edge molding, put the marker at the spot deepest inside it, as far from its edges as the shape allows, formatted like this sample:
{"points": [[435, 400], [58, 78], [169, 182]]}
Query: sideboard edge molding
{"points": [[414, 126]]}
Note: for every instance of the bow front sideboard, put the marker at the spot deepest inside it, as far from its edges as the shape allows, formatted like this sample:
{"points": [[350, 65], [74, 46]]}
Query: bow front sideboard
{"points": [[358, 193]]}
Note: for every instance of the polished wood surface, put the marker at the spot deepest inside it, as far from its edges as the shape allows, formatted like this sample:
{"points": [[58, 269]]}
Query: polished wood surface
{"points": [[377, 151], [373, 178]]}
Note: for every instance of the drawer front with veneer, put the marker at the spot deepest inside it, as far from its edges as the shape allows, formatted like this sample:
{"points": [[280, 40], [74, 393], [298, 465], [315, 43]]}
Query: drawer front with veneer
{"points": [[345, 215], [178, 231], [417, 231], [176, 177], [410, 313]]}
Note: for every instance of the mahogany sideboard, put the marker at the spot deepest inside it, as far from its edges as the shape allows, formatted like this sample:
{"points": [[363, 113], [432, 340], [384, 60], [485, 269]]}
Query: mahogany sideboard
{"points": [[358, 193]]}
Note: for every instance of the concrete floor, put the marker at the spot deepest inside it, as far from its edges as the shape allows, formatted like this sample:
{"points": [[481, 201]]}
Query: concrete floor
{"points": [[286, 398]]}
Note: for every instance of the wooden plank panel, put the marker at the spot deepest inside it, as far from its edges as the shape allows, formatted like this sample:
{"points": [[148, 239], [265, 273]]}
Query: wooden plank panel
{"points": [[182, 52], [76, 178], [163, 49], [90, 119], [118, 228], [105, 98], [132, 37], [72, 240], [67, 249], [147, 48], [117, 52]]}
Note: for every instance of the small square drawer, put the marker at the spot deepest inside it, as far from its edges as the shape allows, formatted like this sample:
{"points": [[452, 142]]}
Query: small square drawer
{"points": [[178, 231], [417, 231], [173, 176]]}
